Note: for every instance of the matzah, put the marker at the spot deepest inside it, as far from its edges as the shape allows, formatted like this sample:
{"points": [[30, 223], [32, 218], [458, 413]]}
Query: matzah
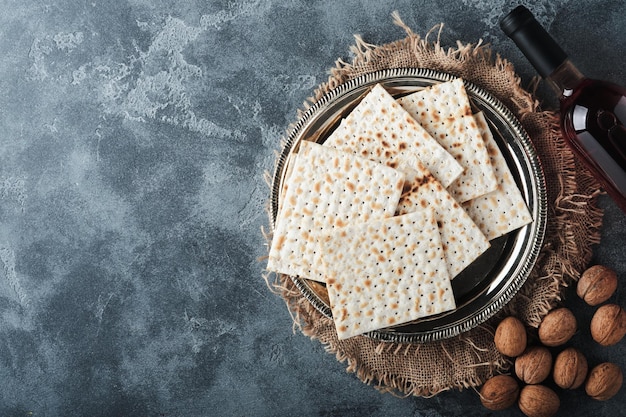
{"points": [[378, 128], [504, 209], [462, 240], [386, 272], [445, 113], [327, 189]]}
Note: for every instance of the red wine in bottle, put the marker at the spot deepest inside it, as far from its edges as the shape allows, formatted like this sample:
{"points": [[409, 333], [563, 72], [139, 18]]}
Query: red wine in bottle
{"points": [[593, 113]]}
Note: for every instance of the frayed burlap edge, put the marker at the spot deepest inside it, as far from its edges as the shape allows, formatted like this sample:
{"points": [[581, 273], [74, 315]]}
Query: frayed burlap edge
{"points": [[573, 227]]}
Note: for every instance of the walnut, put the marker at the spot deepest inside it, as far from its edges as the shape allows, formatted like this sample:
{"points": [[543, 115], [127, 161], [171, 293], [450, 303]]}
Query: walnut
{"points": [[557, 327], [499, 392], [597, 284], [605, 380], [510, 337], [534, 365], [608, 325], [570, 368], [538, 401]]}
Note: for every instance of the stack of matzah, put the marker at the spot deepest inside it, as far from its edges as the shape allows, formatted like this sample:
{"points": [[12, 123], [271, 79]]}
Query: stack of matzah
{"points": [[445, 113], [399, 199]]}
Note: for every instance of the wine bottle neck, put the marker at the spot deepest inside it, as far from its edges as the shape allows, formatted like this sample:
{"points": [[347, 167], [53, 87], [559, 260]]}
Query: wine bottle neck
{"points": [[565, 78], [532, 39]]}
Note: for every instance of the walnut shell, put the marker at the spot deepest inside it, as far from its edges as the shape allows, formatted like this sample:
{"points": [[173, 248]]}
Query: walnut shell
{"points": [[597, 284], [608, 324], [570, 369], [557, 327], [538, 401], [534, 365], [499, 392], [510, 337], [605, 380]]}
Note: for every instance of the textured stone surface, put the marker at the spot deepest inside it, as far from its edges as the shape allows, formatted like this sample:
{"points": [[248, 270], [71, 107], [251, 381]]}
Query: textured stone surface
{"points": [[133, 140]]}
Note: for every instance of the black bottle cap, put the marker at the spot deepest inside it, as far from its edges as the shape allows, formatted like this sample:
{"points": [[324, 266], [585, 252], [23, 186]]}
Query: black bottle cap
{"points": [[533, 40]]}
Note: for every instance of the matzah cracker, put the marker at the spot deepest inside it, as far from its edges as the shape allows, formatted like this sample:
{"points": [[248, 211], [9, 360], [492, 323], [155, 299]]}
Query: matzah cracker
{"points": [[445, 113], [327, 189], [504, 209], [385, 273], [378, 128], [462, 240]]}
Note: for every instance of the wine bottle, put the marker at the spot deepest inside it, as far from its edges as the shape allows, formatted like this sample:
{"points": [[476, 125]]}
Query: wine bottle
{"points": [[592, 112]]}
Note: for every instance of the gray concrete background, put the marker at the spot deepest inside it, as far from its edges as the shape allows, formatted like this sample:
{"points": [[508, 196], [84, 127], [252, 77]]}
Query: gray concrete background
{"points": [[133, 140]]}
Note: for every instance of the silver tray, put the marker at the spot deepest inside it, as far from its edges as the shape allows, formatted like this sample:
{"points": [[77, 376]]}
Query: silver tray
{"points": [[492, 280]]}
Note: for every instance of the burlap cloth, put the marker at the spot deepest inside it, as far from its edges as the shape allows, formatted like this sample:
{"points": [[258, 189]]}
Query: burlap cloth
{"points": [[573, 227]]}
